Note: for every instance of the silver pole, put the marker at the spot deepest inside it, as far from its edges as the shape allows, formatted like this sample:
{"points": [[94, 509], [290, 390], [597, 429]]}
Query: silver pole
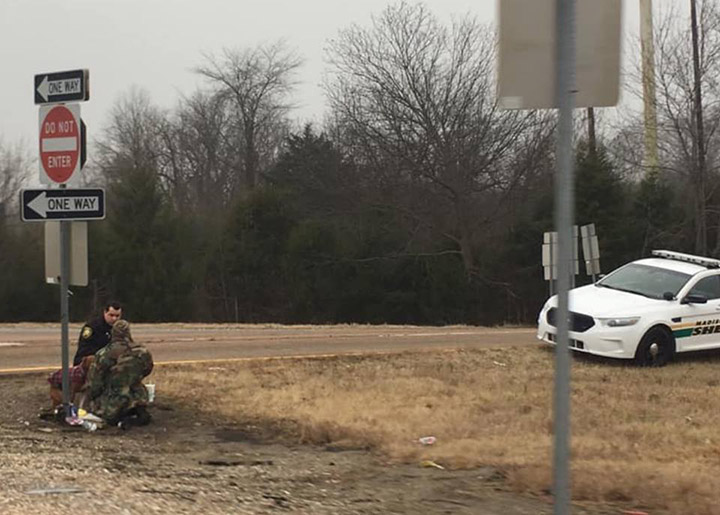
{"points": [[650, 155], [64, 311], [553, 268], [564, 201]]}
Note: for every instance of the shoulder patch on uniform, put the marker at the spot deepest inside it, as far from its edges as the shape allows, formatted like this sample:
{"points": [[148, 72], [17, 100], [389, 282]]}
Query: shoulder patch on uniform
{"points": [[87, 332]]}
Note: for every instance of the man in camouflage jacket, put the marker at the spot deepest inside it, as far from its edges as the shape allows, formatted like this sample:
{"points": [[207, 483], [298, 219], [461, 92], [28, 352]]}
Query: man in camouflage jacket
{"points": [[115, 386]]}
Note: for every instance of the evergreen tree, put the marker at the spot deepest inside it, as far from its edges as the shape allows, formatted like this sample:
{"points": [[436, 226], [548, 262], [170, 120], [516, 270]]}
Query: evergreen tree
{"points": [[602, 198], [252, 255], [140, 254], [658, 218]]}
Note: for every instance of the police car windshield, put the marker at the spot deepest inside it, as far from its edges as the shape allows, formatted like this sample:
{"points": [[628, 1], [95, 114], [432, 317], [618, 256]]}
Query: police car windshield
{"points": [[649, 281]]}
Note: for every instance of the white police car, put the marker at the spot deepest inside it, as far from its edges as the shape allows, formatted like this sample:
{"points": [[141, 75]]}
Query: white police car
{"points": [[646, 310]]}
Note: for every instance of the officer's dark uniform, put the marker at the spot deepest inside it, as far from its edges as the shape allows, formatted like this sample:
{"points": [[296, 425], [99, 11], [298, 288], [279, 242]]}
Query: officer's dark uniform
{"points": [[94, 336]]}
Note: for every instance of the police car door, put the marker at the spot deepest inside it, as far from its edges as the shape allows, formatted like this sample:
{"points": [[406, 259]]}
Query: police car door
{"points": [[705, 317]]}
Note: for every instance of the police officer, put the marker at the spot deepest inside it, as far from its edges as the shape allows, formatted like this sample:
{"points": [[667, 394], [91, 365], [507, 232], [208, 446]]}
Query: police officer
{"points": [[95, 334]]}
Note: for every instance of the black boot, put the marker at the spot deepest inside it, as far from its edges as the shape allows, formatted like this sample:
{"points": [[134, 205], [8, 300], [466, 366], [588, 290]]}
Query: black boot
{"points": [[137, 416], [142, 416]]}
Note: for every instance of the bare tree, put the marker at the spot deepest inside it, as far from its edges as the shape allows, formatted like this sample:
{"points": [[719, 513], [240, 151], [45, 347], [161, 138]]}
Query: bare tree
{"points": [[131, 138], [416, 105], [14, 172], [256, 82], [689, 149], [199, 155]]}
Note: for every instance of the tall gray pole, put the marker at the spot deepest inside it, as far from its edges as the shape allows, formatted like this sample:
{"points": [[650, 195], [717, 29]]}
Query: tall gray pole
{"points": [[592, 142], [564, 202], [701, 231], [650, 156], [65, 311]]}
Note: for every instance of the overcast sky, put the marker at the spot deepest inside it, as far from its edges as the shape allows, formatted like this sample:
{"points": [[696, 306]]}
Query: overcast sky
{"points": [[154, 44]]}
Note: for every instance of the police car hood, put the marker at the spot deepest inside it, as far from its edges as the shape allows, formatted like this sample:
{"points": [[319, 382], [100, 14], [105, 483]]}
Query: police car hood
{"points": [[598, 301]]}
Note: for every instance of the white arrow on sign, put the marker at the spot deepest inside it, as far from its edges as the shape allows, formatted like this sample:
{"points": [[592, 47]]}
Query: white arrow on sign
{"points": [[42, 204], [48, 88], [39, 204], [43, 89]]}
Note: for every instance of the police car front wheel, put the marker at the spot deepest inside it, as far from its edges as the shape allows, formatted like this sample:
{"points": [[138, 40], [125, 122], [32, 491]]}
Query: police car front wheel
{"points": [[656, 348]]}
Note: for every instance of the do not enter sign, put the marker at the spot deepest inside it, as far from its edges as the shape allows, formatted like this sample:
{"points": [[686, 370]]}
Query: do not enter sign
{"points": [[60, 143]]}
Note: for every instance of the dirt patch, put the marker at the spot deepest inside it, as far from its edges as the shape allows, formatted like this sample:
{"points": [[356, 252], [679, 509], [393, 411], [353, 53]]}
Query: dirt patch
{"points": [[643, 437], [187, 461]]}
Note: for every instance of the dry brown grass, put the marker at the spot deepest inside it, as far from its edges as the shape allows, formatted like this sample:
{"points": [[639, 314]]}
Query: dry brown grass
{"points": [[648, 437]]}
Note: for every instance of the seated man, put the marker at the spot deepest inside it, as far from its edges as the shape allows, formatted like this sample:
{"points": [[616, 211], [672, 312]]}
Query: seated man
{"points": [[115, 387], [77, 375]]}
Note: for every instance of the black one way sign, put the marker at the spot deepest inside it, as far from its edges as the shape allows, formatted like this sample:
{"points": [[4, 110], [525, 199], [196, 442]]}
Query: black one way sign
{"points": [[69, 86], [62, 204]]}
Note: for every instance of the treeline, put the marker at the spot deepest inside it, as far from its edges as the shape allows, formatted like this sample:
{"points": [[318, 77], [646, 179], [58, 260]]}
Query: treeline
{"points": [[418, 200]]}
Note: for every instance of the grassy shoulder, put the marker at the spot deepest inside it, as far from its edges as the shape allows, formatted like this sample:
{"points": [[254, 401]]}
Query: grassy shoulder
{"points": [[643, 437]]}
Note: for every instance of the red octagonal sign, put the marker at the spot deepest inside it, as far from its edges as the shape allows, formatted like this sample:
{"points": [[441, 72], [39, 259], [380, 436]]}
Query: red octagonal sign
{"points": [[59, 143]]}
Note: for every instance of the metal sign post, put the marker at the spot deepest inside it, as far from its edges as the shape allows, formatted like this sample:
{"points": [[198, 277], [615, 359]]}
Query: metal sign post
{"points": [[65, 312], [537, 69], [564, 203], [62, 155]]}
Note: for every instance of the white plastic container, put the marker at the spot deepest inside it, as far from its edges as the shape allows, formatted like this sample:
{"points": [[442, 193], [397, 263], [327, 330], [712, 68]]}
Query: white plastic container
{"points": [[151, 392]]}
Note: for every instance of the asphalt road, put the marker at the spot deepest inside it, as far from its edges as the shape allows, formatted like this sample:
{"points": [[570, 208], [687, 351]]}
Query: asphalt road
{"points": [[27, 347]]}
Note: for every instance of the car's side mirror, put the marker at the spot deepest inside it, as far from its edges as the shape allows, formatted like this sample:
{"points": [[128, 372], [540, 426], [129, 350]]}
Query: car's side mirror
{"points": [[694, 298]]}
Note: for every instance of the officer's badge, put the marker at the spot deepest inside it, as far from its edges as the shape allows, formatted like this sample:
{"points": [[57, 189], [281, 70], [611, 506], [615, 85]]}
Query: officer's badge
{"points": [[86, 332]]}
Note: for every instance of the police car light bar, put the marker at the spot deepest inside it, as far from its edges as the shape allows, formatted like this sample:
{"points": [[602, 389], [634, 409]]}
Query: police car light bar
{"points": [[679, 256]]}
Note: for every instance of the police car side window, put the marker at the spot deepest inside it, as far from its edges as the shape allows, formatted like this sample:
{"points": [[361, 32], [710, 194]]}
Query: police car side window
{"points": [[708, 286]]}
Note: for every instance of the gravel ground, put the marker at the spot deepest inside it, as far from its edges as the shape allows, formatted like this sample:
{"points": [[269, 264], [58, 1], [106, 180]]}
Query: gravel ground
{"points": [[184, 463]]}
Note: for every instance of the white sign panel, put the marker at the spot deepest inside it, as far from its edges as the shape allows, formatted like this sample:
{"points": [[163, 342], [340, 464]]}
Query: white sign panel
{"points": [[78, 253], [526, 68]]}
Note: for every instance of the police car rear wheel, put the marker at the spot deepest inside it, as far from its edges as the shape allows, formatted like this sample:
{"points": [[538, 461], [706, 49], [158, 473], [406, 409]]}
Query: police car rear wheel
{"points": [[656, 348]]}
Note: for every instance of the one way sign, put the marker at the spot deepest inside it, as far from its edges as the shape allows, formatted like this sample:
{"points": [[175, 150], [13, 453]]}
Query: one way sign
{"points": [[69, 86], [62, 204]]}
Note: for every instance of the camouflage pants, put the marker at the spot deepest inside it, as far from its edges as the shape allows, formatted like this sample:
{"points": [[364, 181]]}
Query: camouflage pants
{"points": [[115, 402]]}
